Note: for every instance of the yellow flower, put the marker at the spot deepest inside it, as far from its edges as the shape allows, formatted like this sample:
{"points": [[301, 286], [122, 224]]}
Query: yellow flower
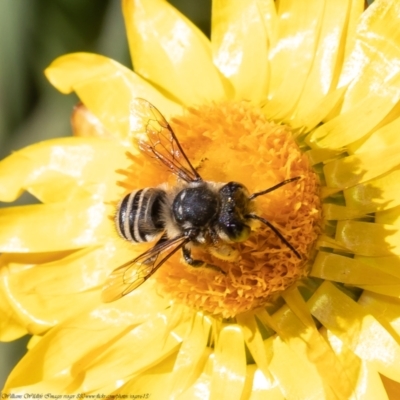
{"points": [[322, 74]]}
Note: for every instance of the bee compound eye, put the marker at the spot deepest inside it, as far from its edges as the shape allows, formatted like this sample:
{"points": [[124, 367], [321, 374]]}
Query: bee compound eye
{"points": [[237, 231]]}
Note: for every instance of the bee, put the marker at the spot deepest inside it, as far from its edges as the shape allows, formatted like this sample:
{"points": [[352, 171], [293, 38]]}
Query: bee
{"points": [[194, 212]]}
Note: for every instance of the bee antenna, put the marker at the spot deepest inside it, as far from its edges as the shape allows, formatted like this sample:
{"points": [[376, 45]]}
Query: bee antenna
{"points": [[275, 230], [271, 189]]}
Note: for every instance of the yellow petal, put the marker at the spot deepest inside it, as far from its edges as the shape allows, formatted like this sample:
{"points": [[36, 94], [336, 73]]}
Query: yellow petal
{"points": [[189, 359], [373, 76], [337, 268], [388, 265], [357, 329], [357, 7], [37, 313], [70, 348], [33, 341], [239, 44], [390, 216], [296, 378], [168, 50], [375, 195], [297, 328], [151, 383], [107, 89], [384, 308], [336, 212], [353, 123], [257, 387], [317, 156], [327, 241], [372, 66], [368, 239], [261, 388], [79, 271], [54, 227], [230, 364], [148, 344], [65, 168], [313, 114], [10, 326], [297, 304], [367, 383], [389, 290], [381, 139], [201, 388], [268, 11], [40, 296], [85, 124], [295, 47], [254, 342], [328, 58], [361, 167]]}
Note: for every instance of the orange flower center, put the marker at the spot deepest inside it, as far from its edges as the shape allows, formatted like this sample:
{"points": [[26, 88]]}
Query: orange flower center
{"points": [[233, 141]]}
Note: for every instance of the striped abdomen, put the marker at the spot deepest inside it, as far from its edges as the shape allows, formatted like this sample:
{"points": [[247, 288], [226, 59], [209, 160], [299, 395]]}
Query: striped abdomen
{"points": [[138, 217]]}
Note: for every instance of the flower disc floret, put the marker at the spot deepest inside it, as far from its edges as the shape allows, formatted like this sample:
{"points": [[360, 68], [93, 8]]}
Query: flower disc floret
{"points": [[233, 141]]}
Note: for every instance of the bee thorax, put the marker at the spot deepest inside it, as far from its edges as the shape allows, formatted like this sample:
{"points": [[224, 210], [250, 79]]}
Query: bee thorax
{"points": [[195, 207]]}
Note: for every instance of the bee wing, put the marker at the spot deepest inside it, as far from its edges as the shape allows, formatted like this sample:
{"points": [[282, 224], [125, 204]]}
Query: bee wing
{"points": [[159, 140], [132, 274]]}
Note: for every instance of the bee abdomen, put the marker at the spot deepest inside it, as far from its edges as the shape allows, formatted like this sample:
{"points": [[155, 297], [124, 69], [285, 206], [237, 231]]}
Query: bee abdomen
{"points": [[138, 217]]}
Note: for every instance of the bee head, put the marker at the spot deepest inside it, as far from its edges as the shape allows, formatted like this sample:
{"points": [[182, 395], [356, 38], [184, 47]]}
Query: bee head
{"points": [[235, 204]]}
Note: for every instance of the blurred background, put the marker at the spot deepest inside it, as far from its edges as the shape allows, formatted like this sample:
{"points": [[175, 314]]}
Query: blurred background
{"points": [[32, 34]]}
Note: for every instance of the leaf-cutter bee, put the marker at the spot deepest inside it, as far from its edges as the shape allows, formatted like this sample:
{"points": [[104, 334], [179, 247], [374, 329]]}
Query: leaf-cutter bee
{"points": [[194, 212]]}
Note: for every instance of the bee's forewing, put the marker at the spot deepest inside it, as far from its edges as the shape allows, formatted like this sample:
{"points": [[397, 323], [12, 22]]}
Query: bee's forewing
{"points": [[158, 140], [131, 275], [124, 279]]}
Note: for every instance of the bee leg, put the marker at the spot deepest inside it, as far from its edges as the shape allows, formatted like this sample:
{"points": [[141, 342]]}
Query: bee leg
{"points": [[224, 252], [187, 257]]}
